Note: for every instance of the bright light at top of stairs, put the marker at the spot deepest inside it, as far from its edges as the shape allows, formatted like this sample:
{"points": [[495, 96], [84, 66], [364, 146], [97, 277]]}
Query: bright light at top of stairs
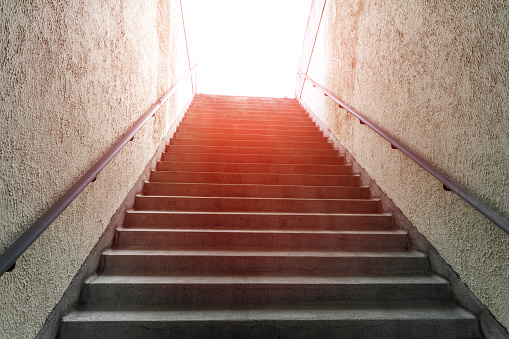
{"points": [[248, 47]]}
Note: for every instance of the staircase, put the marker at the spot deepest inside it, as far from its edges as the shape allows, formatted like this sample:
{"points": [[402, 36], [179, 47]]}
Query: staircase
{"points": [[253, 226]]}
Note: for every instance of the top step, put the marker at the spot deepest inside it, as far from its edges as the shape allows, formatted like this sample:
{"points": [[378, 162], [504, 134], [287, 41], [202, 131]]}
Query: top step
{"points": [[241, 99]]}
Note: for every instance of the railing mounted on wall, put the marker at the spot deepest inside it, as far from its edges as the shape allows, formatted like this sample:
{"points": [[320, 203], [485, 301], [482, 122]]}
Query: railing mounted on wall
{"points": [[448, 183], [9, 257]]}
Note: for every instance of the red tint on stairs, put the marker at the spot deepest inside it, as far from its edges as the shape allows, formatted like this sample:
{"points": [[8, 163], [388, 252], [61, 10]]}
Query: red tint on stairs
{"points": [[253, 226]]}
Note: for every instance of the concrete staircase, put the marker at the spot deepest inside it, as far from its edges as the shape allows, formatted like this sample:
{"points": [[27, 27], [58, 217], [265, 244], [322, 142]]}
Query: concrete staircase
{"points": [[253, 226]]}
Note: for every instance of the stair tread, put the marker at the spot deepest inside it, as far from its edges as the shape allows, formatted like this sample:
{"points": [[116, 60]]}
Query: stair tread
{"points": [[271, 231], [253, 163], [360, 312], [259, 156], [241, 123], [209, 149], [265, 279], [230, 148], [263, 253], [228, 136], [255, 198], [251, 168], [275, 174], [383, 214], [184, 139], [250, 185]]}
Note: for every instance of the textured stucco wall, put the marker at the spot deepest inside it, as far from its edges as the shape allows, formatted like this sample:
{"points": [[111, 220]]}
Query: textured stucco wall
{"points": [[75, 76], [435, 75]]}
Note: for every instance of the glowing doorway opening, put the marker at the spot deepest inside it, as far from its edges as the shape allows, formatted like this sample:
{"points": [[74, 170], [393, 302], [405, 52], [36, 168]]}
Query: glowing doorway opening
{"points": [[248, 48]]}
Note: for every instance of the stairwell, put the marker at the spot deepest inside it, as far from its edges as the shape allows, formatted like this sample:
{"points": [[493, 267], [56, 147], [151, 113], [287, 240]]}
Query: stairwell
{"points": [[253, 226]]}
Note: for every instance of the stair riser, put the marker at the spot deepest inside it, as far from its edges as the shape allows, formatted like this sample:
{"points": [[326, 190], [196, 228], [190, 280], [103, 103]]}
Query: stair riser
{"points": [[290, 117], [253, 158], [253, 125], [255, 205], [241, 102], [346, 222], [254, 178], [220, 150], [250, 144], [253, 168], [247, 109], [264, 121], [254, 137], [232, 118], [410, 327], [257, 191], [264, 264], [264, 241], [236, 102], [253, 294], [259, 131]]}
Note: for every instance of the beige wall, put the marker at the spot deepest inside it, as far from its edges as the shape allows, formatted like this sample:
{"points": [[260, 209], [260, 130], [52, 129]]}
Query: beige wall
{"points": [[75, 76], [435, 75]]}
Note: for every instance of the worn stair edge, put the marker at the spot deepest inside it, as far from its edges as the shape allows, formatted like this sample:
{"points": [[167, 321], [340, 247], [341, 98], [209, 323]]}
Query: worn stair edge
{"points": [[271, 191], [250, 143], [179, 219], [117, 292], [259, 119], [254, 178], [190, 149], [246, 127], [226, 167], [386, 321], [261, 239], [245, 137], [250, 150], [254, 158], [240, 204], [144, 261], [257, 131]]}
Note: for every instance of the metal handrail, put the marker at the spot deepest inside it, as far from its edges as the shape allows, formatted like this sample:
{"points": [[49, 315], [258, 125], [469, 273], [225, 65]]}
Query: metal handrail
{"points": [[9, 257], [448, 183]]}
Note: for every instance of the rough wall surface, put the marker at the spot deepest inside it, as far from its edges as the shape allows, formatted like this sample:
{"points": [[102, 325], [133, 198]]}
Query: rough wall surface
{"points": [[435, 74], [75, 76]]}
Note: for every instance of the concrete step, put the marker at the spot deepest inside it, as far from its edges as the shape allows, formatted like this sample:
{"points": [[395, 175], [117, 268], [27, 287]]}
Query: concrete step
{"points": [[248, 110], [260, 191], [253, 168], [255, 158], [237, 100], [289, 116], [251, 124], [425, 321], [113, 291], [249, 137], [243, 119], [190, 149], [229, 99], [256, 104], [239, 204], [261, 239], [290, 132], [277, 105], [256, 178], [253, 220], [247, 104], [214, 262], [251, 143]]}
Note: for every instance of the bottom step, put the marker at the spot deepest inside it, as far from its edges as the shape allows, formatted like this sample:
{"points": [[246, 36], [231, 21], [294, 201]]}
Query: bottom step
{"points": [[383, 321]]}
